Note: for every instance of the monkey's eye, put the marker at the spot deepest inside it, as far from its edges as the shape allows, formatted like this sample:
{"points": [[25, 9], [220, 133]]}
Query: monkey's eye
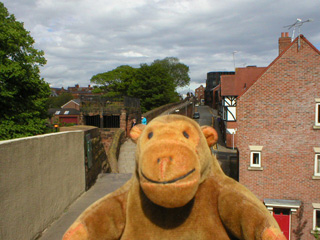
{"points": [[150, 135], [185, 134]]}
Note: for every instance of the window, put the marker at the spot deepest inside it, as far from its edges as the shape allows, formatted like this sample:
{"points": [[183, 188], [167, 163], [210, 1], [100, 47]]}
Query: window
{"points": [[57, 112], [255, 157], [317, 114], [66, 112], [316, 216], [317, 165]]}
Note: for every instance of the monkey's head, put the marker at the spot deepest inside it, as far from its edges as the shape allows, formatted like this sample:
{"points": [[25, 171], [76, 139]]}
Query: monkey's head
{"points": [[173, 157]]}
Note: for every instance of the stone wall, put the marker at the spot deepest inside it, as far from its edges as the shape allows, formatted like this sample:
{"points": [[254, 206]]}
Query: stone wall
{"points": [[114, 149], [95, 154], [40, 177], [157, 111]]}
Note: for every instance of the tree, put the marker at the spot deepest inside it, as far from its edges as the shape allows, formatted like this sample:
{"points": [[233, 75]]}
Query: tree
{"points": [[154, 86], [23, 94], [116, 81], [178, 71], [57, 102]]}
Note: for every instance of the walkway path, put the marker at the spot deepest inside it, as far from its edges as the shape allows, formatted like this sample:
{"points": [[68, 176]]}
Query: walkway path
{"points": [[106, 183], [126, 162]]}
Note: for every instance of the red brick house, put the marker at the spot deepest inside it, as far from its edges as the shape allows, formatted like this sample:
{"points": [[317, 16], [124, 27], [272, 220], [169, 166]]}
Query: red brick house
{"points": [[74, 103], [77, 91], [69, 113], [199, 93], [66, 116], [231, 87], [278, 137]]}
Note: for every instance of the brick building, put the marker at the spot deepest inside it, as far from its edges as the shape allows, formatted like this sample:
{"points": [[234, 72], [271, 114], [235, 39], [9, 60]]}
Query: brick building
{"points": [[69, 113], [278, 137], [199, 93], [78, 91], [211, 93], [231, 87]]}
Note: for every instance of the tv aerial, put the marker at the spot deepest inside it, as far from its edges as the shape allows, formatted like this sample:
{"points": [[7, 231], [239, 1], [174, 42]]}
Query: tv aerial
{"points": [[298, 24]]}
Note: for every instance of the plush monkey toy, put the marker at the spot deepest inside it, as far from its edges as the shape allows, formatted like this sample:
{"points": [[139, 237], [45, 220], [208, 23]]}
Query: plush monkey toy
{"points": [[178, 191]]}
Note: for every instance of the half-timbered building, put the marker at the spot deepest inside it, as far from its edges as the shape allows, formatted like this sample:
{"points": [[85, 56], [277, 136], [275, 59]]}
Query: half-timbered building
{"points": [[231, 87]]}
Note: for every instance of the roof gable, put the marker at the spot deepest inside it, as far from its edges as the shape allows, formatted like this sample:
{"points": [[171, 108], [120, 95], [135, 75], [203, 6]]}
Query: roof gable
{"points": [[280, 56], [75, 101], [234, 85]]}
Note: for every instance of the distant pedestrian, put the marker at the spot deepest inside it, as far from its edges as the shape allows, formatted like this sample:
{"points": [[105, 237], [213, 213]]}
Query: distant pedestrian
{"points": [[134, 122], [144, 120]]}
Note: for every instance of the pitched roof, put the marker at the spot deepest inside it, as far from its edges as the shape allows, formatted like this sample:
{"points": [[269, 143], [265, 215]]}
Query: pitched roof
{"points": [[63, 111], [234, 85], [228, 85], [76, 101], [298, 38]]}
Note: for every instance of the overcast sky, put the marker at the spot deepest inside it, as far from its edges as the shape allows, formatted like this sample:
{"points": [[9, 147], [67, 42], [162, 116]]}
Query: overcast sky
{"points": [[81, 38]]}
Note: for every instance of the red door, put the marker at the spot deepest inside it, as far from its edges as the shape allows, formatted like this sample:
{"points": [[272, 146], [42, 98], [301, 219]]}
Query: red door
{"points": [[282, 216], [69, 120]]}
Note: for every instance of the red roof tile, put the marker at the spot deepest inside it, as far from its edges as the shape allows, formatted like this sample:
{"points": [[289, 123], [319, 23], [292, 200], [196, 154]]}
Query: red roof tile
{"points": [[242, 80]]}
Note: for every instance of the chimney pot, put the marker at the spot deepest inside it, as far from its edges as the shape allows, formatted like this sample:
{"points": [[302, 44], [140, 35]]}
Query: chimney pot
{"points": [[284, 41]]}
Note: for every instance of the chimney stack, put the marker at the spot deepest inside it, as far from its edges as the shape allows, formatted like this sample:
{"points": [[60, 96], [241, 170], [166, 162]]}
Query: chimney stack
{"points": [[284, 41]]}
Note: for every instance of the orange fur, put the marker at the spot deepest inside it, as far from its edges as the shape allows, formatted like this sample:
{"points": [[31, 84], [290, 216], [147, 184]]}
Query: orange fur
{"points": [[178, 191]]}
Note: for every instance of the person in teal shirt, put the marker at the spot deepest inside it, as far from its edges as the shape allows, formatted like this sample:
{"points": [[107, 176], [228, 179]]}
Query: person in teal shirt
{"points": [[144, 120]]}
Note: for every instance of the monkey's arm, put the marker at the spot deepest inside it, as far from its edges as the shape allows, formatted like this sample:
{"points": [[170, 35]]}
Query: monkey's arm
{"points": [[104, 219], [244, 215]]}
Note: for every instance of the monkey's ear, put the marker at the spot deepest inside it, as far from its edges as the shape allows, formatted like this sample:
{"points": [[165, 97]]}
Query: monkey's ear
{"points": [[136, 132], [210, 134]]}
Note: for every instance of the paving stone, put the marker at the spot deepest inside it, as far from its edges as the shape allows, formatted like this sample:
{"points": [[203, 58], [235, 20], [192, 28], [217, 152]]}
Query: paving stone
{"points": [[126, 162]]}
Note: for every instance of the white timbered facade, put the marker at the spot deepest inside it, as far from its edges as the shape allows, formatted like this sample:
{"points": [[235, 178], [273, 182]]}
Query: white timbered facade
{"points": [[229, 108]]}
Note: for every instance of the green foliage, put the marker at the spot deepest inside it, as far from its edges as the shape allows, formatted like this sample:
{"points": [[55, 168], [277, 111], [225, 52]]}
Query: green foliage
{"points": [[178, 71], [117, 80], [316, 234], [97, 89], [57, 102], [23, 94], [154, 86]]}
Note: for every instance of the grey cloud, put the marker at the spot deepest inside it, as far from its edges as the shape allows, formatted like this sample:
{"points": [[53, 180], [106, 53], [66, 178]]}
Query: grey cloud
{"points": [[81, 39]]}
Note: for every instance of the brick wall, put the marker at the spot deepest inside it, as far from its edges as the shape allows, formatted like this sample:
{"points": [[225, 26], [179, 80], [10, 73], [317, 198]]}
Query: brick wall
{"points": [[230, 140], [72, 104], [278, 113]]}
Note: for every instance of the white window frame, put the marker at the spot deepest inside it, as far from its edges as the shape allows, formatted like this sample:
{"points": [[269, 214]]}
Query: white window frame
{"points": [[251, 159], [316, 164], [255, 150], [316, 208], [317, 117]]}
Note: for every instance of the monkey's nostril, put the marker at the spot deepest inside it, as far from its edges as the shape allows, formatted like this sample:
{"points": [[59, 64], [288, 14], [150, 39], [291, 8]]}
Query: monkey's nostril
{"points": [[171, 159], [158, 160]]}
